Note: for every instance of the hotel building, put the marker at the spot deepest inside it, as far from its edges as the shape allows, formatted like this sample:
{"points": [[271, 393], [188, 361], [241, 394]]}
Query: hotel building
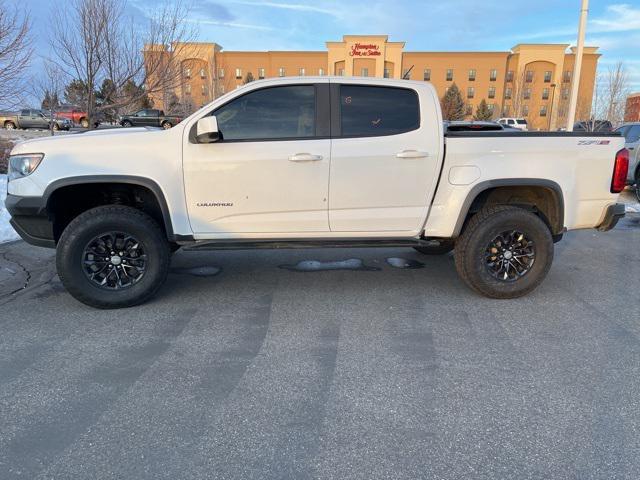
{"points": [[530, 80]]}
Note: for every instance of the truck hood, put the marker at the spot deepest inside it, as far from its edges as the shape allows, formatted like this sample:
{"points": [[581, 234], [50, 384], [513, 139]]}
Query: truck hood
{"points": [[112, 138]]}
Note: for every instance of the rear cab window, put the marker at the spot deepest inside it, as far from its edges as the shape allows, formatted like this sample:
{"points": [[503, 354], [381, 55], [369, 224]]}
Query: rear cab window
{"points": [[367, 111]]}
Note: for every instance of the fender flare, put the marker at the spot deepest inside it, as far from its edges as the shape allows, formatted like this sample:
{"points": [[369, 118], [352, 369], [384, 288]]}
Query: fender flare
{"points": [[122, 179], [512, 182]]}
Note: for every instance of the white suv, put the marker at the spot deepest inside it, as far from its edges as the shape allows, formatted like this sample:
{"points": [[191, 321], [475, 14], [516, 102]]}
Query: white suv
{"points": [[519, 123]]}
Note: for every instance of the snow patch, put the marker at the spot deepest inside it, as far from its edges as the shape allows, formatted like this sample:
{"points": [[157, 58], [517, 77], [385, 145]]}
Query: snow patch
{"points": [[7, 233], [317, 266]]}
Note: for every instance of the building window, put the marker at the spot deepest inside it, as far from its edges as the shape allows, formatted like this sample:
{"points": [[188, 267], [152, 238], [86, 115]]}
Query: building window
{"points": [[427, 74], [528, 76], [545, 94], [525, 110], [302, 72], [203, 73], [238, 73], [526, 94], [492, 92], [446, 90], [492, 107], [509, 77], [341, 72], [387, 73], [566, 76], [187, 89], [543, 111], [507, 93], [561, 112], [221, 73], [449, 74], [469, 109], [471, 92], [204, 90], [321, 72], [406, 74], [281, 72], [364, 72], [221, 88], [472, 75], [187, 73], [547, 77], [493, 75], [565, 93], [505, 111], [260, 73]]}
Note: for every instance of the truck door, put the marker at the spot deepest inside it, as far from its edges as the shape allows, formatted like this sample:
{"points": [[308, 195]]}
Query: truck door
{"points": [[26, 120], [385, 158], [269, 172]]}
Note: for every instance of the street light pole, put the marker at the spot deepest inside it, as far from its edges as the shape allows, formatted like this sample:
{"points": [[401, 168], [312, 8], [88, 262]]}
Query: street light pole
{"points": [[577, 67]]}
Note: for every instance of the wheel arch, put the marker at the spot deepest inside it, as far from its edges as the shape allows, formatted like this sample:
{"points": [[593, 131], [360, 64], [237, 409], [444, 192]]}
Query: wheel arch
{"points": [[58, 186], [499, 191]]}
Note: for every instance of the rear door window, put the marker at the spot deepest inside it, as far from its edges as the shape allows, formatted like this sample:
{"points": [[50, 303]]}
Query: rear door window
{"points": [[633, 134], [367, 111]]}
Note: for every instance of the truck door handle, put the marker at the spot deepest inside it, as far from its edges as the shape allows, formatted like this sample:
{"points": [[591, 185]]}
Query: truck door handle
{"points": [[411, 154], [305, 157]]}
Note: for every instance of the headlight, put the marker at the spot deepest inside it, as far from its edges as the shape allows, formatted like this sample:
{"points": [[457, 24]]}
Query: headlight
{"points": [[23, 165]]}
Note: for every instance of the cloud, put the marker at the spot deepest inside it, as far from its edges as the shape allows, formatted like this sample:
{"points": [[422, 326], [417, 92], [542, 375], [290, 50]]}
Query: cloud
{"points": [[289, 6], [212, 10], [230, 24], [618, 18]]}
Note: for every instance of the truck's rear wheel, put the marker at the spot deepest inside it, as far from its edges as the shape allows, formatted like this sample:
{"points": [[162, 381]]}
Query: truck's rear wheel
{"points": [[84, 123], [504, 252], [127, 123], [10, 125], [166, 125], [637, 189], [113, 257]]}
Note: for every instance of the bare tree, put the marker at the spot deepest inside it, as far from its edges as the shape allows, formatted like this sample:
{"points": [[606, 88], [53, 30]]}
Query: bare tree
{"points": [[15, 53], [96, 43], [48, 87], [614, 93]]}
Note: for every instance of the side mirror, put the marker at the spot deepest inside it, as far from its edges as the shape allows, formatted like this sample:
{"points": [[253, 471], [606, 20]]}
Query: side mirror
{"points": [[207, 130]]}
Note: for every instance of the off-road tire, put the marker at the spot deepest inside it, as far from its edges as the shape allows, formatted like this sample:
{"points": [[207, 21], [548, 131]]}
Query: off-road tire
{"points": [[9, 125], [481, 229], [84, 123], [127, 124], [166, 125], [441, 249], [97, 221], [637, 188]]}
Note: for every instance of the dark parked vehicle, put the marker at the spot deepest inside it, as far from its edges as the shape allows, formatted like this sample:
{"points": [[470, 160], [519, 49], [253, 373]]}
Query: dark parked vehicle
{"points": [[33, 118], [593, 126], [149, 118]]}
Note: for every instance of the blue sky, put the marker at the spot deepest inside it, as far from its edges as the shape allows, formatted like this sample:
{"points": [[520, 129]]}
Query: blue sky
{"points": [[614, 26]]}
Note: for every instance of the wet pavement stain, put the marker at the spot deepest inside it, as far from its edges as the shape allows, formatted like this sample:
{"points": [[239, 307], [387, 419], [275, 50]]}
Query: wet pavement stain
{"points": [[404, 263], [317, 266], [203, 271]]}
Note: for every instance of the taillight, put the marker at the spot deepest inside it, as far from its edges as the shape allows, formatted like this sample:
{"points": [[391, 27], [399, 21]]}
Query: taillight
{"points": [[620, 170]]}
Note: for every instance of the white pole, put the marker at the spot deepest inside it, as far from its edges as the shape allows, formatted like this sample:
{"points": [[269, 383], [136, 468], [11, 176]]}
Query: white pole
{"points": [[575, 80]]}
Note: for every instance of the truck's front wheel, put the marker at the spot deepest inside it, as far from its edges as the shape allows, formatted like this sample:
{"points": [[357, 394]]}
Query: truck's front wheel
{"points": [[504, 252], [113, 257]]}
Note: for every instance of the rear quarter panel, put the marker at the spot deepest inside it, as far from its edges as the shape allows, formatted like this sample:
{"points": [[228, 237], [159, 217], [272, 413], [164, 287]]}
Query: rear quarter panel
{"points": [[581, 166]]}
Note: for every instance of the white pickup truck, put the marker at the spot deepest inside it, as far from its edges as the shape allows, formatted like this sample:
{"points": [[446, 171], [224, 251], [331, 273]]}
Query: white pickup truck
{"points": [[311, 162]]}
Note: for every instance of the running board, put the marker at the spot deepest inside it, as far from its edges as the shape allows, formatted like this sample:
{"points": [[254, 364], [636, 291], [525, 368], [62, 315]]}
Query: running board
{"points": [[316, 243]]}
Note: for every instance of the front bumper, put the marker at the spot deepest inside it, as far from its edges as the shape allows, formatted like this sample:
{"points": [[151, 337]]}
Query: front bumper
{"points": [[612, 215], [29, 218]]}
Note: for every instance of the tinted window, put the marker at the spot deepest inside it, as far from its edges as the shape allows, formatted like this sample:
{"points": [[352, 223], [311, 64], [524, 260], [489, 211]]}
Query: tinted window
{"points": [[270, 113], [369, 111], [633, 134], [521, 121]]}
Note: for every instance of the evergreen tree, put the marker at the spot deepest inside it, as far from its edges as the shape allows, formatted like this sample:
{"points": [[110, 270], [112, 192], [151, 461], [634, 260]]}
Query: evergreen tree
{"points": [[452, 104], [483, 112], [50, 101], [76, 93], [249, 78]]}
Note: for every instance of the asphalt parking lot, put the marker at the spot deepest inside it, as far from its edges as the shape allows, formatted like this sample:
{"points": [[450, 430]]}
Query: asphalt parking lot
{"points": [[328, 364]]}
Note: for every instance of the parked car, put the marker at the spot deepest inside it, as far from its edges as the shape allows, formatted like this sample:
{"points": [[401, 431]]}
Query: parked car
{"points": [[76, 115], [631, 133], [149, 118], [519, 123], [311, 162], [593, 126], [32, 118]]}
